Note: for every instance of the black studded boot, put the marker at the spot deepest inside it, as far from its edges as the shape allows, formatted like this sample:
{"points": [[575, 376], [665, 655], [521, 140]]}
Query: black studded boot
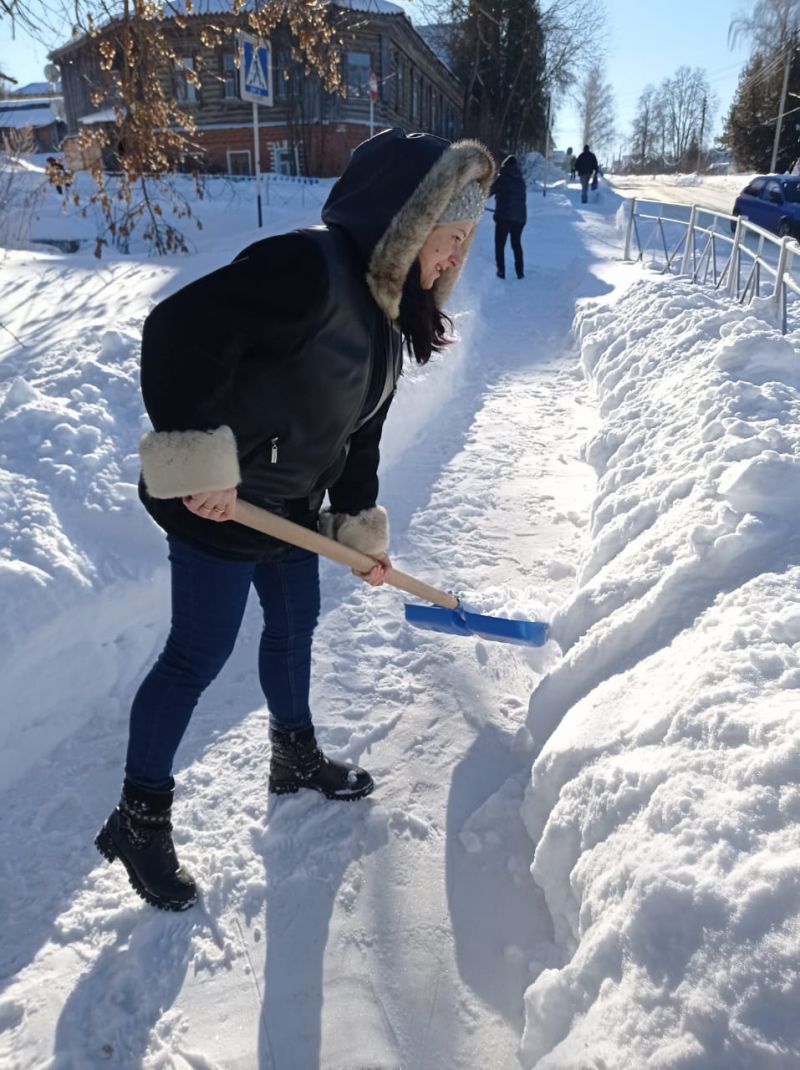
{"points": [[139, 833], [297, 762]]}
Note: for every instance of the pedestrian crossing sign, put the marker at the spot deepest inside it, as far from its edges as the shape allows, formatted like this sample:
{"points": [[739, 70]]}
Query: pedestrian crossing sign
{"points": [[255, 69]]}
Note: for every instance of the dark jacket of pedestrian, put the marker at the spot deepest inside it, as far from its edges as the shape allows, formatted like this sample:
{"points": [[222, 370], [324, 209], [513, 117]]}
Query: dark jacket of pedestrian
{"points": [[509, 192], [586, 164]]}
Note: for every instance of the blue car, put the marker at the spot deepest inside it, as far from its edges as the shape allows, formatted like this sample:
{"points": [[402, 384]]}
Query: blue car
{"points": [[771, 202]]}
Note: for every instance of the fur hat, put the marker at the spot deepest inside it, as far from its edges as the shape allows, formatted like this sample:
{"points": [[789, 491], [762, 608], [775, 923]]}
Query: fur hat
{"points": [[463, 165]]}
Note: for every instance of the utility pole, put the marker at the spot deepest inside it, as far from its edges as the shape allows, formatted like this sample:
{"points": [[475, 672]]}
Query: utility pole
{"points": [[787, 63], [547, 142], [702, 128]]}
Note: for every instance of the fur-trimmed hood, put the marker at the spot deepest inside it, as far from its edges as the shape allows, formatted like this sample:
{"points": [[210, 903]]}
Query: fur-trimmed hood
{"points": [[390, 197]]}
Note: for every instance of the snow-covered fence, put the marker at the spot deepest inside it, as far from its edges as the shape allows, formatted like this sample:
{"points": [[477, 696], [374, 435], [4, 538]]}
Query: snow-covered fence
{"points": [[283, 189], [713, 248], [21, 192]]}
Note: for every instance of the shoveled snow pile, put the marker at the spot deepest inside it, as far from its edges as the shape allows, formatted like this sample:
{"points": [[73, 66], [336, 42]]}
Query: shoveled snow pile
{"points": [[665, 802]]}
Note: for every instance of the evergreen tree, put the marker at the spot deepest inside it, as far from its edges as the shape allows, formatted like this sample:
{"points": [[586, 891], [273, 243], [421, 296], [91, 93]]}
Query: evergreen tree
{"points": [[749, 129], [497, 48], [773, 28]]}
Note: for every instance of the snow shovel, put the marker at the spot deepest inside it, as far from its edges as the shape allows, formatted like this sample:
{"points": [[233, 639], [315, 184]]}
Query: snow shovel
{"points": [[445, 615]]}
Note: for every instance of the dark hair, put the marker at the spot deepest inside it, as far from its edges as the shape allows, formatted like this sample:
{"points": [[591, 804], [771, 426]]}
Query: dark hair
{"points": [[423, 326]]}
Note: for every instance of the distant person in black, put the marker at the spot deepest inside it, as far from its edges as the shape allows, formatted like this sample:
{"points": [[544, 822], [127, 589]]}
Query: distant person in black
{"points": [[571, 163], [510, 215], [587, 166]]}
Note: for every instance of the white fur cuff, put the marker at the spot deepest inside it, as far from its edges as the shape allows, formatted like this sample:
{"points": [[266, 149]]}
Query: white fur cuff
{"points": [[367, 531], [177, 463]]}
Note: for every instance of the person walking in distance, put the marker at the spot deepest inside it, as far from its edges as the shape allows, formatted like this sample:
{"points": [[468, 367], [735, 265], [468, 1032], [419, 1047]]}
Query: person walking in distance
{"points": [[510, 215], [269, 380], [586, 165]]}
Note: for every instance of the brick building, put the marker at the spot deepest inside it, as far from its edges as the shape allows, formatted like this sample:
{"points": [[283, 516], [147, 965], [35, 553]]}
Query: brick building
{"points": [[307, 130]]}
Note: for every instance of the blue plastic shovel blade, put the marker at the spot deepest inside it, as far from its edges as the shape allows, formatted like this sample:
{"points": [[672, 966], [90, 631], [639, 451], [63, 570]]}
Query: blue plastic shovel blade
{"points": [[463, 622], [504, 630]]}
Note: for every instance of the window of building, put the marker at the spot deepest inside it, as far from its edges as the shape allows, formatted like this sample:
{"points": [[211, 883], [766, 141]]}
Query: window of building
{"points": [[414, 96], [357, 69], [239, 162], [185, 88], [286, 161], [230, 76]]}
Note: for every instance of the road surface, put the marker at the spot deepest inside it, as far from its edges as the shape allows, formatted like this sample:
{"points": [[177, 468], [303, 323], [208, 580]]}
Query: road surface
{"points": [[718, 200]]}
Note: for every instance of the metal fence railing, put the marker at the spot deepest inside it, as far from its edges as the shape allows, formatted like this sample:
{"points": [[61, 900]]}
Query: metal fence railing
{"points": [[724, 251]]}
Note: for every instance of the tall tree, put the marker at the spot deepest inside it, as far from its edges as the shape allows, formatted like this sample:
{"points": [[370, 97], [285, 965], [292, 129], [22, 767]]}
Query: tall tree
{"points": [[772, 27], [517, 57], [575, 33], [497, 48], [749, 130], [645, 127], [596, 109], [688, 105]]}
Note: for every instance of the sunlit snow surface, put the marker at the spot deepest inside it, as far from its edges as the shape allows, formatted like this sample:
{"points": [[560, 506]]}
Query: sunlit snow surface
{"points": [[665, 803], [612, 451]]}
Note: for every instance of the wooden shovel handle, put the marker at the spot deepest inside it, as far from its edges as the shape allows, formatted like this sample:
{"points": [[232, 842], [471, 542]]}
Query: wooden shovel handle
{"points": [[254, 517]]}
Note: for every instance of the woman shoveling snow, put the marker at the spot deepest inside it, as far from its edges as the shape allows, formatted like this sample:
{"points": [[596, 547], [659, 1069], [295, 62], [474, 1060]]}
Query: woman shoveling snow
{"points": [[270, 380]]}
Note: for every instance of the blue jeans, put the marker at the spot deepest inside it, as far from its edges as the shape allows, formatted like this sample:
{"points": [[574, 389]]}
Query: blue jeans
{"points": [[208, 599]]}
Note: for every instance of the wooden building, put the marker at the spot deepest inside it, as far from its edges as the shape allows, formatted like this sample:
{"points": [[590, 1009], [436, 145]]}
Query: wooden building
{"points": [[34, 122], [307, 130]]}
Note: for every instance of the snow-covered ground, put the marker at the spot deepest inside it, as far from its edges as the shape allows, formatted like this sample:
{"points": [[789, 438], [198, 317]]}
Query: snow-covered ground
{"points": [[584, 856]]}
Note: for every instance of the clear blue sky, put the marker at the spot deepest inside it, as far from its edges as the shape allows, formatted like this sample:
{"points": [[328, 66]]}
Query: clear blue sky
{"points": [[646, 42]]}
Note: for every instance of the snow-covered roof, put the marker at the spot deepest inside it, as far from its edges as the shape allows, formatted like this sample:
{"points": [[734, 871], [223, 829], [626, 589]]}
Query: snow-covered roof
{"points": [[37, 89], [223, 7], [18, 114], [10, 103], [106, 115], [377, 7], [437, 37]]}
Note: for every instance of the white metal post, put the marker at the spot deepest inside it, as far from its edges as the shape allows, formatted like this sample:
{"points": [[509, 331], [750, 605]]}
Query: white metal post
{"points": [[689, 242], [780, 287], [629, 230], [733, 267], [257, 154]]}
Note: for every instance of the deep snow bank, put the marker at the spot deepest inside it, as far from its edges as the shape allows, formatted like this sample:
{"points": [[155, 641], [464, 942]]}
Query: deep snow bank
{"points": [[665, 803]]}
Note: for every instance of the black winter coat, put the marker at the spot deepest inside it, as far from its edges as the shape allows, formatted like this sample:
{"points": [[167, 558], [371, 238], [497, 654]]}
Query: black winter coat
{"points": [[287, 348], [509, 191], [275, 373], [586, 163]]}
